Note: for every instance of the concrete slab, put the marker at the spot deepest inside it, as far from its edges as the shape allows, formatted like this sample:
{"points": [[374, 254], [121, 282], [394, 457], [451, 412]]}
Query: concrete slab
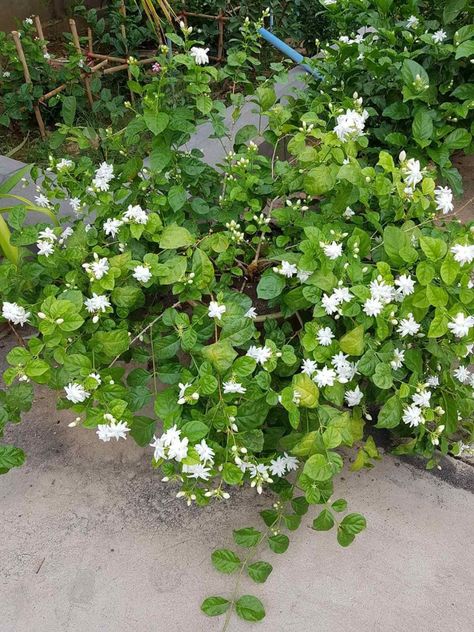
{"points": [[93, 541]]}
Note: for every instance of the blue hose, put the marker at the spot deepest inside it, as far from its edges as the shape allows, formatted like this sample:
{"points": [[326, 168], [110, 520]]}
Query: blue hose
{"points": [[288, 51]]}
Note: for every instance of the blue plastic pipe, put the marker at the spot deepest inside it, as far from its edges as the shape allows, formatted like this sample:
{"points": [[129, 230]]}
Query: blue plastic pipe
{"points": [[288, 51]]}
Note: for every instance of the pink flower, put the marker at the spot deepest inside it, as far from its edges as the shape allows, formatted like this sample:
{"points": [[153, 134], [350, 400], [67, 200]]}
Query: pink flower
{"points": [[156, 67]]}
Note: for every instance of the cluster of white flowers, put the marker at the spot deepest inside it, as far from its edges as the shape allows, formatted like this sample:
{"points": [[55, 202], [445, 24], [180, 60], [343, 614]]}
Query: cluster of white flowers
{"points": [[135, 215], [444, 199], [236, 234], [408, 326], [98, 268], [142, 273], [170, 445], [461, 324], [15, 313], [96, 304], [463, 254], [464, 375], [286, 269], [111, 226], [200, 55], [183, 398], [283, 464], [350, 125], [76, 393], [413, 413], [45, 243], [412, 173], [231, 386], [332, 251], [260, 354], [103, 176], [215, 310], [42, 201], [343, 371], [113, 429], [64, 164], [332, 302]]}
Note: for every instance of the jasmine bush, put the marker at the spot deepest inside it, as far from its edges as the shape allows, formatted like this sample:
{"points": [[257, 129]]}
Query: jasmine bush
{"points": [[286, 302]]}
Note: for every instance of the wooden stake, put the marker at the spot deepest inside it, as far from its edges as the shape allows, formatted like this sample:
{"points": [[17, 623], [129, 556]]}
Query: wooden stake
{"points": [[62, 87], [39, 30], [123, 13], [89, 39], [77, 44], [26, 73], [220, 44], [142, 62], [122, 60]]}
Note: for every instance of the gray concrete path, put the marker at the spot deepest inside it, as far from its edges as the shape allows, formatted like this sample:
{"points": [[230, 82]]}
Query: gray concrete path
{"points": [[93, 541]]}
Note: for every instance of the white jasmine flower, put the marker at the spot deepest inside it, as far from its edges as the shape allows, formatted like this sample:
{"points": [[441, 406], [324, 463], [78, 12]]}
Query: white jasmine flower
{"points": [[353, 398], [444, 199], [439, 36], [339, 360], [28, 21], [172, 434], [111, 226], [462, 374], [291, 462], [178, 450], [103, 175], [15, 313], [181, 400], [432, 381], [96, 377], [277, 466], [42, 200], [412, 172], [6, 74], [160, 449], [115, 430], [197, 471], [98, 268], [200, 55], [303, 275], [76, 393], [381, 291], [412, 22], [287, 269], [135, 215], [215, 310], [259, 474], [234, 387], [47, 233], [98, 303], [325, 336], [413, 416], [251, 313], [408, 326], [67, 232], [309, 367], [342, 295], [463, 254], [75, 204], [64, 164], [325, 377], [260, 354], [206, 454], [461, 325], [348, 213], [422, 399], [372, 307], [398, 359], [330, 303], [142, 273], [346, 372], [45, 248], [350, 126], [333, 250], [405, 284]]}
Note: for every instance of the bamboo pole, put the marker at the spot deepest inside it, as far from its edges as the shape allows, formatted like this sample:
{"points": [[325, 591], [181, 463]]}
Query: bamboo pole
{"points": [[108, 57], [185, 14], [26, 73], [62, 87], [142, 62], [123, 13], [39, 30], [220, 43], [77, 44], [89, 40]]}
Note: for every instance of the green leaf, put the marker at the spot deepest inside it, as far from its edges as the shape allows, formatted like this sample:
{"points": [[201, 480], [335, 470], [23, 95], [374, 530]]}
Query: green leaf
{"points": [[10, 457], [458, 138], [177, 198], [383, 376], [278, 543], [214, 606], [247, 537], [339, 505], [174, 237], [225, 561], [422, 127], [110, 343], [397, 111], [449, 270], [353, 523], [143, 429], [390, 414], [307, 390], [68, 110], [259, 571], [221, 354], [270, 285], [332, 437], [353, 342], [344, 538], [195, 430], [156, 121], [410, 70], [425, 272], [324, 521], [439, 324], [232, 474], [250, 608], [318, 180], [245, 133], [452, 9], [318, 468], [433, 248]]}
